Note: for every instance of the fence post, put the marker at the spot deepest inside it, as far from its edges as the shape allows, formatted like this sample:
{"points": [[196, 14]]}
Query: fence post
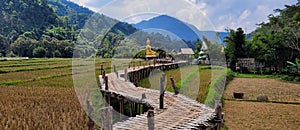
{"points": [[126, 74], [162, 91], [218, 112], [150, 118], [174, 86], [106, 118], [121, 103], [106, 82], [143, 96], [103, 74], [115, 69], [101, 69]]}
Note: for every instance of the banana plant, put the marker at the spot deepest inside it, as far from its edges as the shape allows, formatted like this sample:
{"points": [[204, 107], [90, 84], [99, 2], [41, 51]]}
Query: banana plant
{"points": [[294, 67]]}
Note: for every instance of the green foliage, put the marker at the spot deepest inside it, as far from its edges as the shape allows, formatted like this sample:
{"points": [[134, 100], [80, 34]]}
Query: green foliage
{"points": [[198, 48], [21, 16], [39, 52], [277, 41], [294, 67], [235, 46], [3, 45]]}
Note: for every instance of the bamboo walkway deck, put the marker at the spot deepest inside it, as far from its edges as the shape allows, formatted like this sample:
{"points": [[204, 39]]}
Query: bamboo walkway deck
{"points": [[180, 112]]}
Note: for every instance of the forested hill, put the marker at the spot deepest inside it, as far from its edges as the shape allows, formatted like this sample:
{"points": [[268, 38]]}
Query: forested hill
{"points": [[50, 28], [72, 14], [19, 16], [50, 25], [45, 28]]}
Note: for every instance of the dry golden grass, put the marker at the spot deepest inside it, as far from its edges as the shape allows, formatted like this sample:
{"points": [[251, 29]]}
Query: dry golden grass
{"points": [[36, 65], [40, 108], [261, 116], [275, 90], [26, 75], [47, 103]]}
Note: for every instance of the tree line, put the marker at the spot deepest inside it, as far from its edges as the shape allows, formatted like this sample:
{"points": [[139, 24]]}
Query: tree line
{"points": [[274, 43]]}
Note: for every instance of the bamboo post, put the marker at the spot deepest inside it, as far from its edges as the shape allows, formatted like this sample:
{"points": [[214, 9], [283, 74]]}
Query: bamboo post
{"points": [[101, 69], [90, 116], [117, 74], [106, 118], [162, 91], [103, 74], [131, 107], [135, 109], [143, 96], [129, 65], [150, 118], [218, 112], [106, 82], [174, 86], [121, 103], [126, 74], [115, 69]]}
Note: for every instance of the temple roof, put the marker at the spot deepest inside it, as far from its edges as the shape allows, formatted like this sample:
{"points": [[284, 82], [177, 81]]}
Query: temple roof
{"points": [[188, 51]]}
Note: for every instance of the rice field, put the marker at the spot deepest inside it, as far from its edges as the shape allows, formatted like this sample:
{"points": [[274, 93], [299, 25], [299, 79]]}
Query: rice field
{"points": [[40, 94], [248, 114], [193, 81]]}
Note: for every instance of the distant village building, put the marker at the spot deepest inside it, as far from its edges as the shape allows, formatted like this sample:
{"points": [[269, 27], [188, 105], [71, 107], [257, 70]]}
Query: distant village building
{"points": [[186, 54], [248, 63], [203, 58]]}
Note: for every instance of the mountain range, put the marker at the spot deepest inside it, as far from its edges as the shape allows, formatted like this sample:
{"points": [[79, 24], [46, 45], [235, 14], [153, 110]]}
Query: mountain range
{"points": [[55, 25], [182, 30]]}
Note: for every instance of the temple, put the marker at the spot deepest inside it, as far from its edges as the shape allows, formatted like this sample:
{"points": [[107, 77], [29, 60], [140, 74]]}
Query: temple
{"points": [[149, 52]]}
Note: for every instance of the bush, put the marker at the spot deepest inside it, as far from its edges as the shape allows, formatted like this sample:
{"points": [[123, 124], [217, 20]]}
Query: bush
{"points": [[290, 78], [297, 79], [57, 53], [284, 77], [39, 52], [262, 97]]}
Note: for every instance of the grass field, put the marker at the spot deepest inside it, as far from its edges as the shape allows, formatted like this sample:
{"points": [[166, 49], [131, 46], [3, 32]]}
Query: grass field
{"points": [[275, 90], [40, 94], [250, 114], [241, 115], [192, 81]]}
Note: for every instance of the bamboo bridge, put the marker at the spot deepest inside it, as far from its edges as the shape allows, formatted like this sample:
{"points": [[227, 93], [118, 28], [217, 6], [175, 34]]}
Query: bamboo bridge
{"points": [[152, 109]]}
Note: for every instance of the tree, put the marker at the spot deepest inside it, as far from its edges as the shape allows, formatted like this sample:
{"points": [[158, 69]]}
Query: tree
{"points": [[39, 52], [68, 52], [198, 48], [3, 45], [23, 46], [235, 46]]}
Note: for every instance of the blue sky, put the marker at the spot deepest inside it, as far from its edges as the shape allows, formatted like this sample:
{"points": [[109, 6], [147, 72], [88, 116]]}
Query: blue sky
{"points": [[220, 14]]}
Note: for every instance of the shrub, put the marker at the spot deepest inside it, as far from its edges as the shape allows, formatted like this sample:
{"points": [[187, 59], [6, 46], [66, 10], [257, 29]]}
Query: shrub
{"points": [[39, 52], [290, 78], [297, 79], [57, 53], [262, 97]]}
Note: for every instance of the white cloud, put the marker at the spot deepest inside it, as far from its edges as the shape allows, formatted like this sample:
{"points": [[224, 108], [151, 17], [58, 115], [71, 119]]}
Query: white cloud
{"points": [[222, 13], [245, 14], [133, 11]]}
